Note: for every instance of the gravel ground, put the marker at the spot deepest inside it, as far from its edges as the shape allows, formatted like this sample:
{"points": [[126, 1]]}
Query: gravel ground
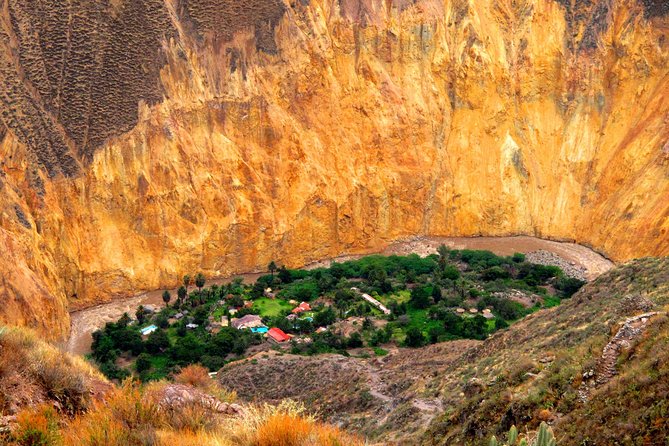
{"points": [[571, 269]]}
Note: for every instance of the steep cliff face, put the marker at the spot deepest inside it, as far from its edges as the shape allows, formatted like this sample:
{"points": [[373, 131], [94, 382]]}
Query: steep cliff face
{"points": [[144, 140]]}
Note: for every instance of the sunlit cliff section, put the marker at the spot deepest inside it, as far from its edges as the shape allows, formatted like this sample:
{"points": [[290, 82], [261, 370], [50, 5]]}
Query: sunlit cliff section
{"points": [[144, 140]]}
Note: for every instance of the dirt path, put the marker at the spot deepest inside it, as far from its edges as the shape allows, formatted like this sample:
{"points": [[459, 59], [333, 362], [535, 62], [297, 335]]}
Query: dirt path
{"points": [[85, 322]]}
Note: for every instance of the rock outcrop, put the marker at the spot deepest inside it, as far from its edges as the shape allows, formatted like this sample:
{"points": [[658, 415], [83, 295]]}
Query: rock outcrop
{"points": [[143, 140]]}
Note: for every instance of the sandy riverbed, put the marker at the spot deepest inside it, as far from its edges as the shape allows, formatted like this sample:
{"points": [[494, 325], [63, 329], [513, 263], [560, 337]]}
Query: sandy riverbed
{"points": [[85, 322]]}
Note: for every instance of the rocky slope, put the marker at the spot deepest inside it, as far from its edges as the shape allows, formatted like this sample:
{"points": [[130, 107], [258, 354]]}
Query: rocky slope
{"points": [[595, 367], [142, 140]]}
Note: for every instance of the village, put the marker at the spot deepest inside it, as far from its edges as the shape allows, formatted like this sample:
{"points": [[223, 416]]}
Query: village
{"points": [[359, 307]]}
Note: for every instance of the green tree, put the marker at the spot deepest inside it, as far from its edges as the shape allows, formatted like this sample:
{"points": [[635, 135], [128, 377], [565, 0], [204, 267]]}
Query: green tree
{"points": [[325, 317], [436, 293], [501, 324], [284, 275], [271, 267], [435, 333], [443, 252], [474, 327], [200, 281], [182, 292], [187, 350], [140, 314], [167, 297], [518, 257], [162, 320], [186, 280], [143, 363], [568, 285], [414, 338], [451, 272], [354, 341], [158, 341], [236, 302], [420, 297], [103, 348]]}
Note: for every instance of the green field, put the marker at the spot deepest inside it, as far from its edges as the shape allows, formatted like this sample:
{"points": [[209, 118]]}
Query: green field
{"points": [[270, 307]]}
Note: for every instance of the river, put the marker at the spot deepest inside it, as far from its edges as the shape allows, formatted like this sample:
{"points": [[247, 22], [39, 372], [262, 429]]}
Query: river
{"points": [[85, 322]]}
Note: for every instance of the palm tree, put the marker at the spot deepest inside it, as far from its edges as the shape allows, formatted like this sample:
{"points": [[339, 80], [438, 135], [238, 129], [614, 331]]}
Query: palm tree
{"points": [[271, 267], [186, 280], [182, 293], [199, 281], [442, 250], [167, 297]]}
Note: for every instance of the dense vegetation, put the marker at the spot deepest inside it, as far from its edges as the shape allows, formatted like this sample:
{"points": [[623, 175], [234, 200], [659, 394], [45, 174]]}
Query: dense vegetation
{"points": [[450, 295]]}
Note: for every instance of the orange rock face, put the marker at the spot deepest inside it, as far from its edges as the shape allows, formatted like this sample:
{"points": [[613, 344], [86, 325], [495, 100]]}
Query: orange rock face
{"points": [[222, 138]]}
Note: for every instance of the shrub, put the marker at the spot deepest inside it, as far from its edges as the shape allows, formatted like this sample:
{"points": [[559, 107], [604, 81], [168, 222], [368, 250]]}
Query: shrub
{"points": [[125, 418], [283, 430], [158, 341], [194, 375], [37, 427], [494, 273], [414, 338], [143, 363], [451, 272], [518, 257], [568, 285], [420, 297], [354, 341]]}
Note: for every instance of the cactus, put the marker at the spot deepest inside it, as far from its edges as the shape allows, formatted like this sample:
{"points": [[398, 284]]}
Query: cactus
{"points": [[544, 437], [513, 435]]}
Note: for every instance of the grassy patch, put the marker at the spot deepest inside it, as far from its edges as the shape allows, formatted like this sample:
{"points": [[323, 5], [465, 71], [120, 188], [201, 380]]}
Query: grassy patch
{"points": [[420, 320], [270, 307], [378, 351], [551, 301]]}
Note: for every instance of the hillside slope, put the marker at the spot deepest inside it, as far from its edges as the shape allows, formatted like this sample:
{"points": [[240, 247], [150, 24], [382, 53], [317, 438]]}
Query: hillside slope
{"points": [[595, 367], [143, 140], [50, 398]]}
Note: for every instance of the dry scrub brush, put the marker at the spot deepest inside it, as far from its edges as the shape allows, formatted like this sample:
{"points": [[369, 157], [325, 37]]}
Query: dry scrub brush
{"points": [[57, 389], [131, 416], [32, 371]]}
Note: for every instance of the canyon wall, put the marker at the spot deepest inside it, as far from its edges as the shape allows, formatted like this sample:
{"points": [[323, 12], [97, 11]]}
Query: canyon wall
{"points": [[142, 140]]}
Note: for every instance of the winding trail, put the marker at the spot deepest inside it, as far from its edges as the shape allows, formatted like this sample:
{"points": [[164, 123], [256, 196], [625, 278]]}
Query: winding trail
{"points": [[85, 322]]}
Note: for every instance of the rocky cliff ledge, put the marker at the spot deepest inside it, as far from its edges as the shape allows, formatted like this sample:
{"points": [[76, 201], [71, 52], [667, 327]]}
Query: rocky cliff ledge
{"points": [[145, 139]]}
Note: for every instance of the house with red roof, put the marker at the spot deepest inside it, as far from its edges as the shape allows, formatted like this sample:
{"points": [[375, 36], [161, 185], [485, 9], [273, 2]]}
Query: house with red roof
{"points": [[277, 335], [304, 306]]}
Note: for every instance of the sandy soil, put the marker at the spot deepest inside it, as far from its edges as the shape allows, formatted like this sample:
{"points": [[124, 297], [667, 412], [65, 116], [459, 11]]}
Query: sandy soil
{"points": [[85, 322]]}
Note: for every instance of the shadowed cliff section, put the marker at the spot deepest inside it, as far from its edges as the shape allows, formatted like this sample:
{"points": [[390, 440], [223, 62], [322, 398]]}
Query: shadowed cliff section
{"points": [[75, 73], [220, 20]]}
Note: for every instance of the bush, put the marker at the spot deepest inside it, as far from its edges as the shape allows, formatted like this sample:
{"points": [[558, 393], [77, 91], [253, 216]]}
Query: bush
{"points": [[325, 317], [143, 363], [495, 273], [354, 341], [37, 427], [435, 334], [518, 257], [451, 272], [414, 338], [569, 285], [194, 375], [157, 342], [420, 297]]}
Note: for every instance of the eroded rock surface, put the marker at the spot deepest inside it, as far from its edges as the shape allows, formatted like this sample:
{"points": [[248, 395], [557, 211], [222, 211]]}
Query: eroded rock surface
{"points": [[143, 140]]}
